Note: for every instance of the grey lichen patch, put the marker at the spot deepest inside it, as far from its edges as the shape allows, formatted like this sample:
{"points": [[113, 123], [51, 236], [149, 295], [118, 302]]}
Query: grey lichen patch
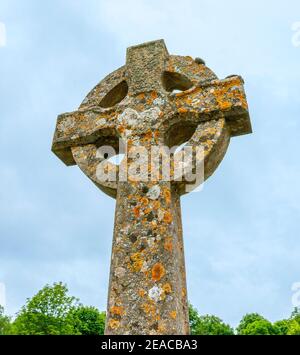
{"points": [[154, 192], [155, 293]]}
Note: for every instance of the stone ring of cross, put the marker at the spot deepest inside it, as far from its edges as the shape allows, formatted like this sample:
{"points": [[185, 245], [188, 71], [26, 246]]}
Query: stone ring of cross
{"points": [[161, 100], [157, 98]]}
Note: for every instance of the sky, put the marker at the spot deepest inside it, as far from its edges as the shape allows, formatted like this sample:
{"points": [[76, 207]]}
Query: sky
{"points": [[241, 232]]}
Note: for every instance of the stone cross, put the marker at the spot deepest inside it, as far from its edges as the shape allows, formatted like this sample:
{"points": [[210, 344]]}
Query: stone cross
{"points": [[161, 100]]}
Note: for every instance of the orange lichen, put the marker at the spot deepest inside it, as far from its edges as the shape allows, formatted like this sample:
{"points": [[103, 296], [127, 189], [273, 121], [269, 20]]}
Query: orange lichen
{"points": [[142, 293], [168, 217], [121, 129], [188, 101], [225, 105], [148, 135], [182, 110], [157, 272], [141, 96], [113, 324], [144, 201], [168, 245], [154, 95], [156, 133], [117, 310], [183, 292], [136, 211], [173, 314]]}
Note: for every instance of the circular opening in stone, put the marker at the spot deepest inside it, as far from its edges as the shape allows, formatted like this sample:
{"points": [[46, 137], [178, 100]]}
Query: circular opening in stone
{"points": [[115, 95], [176, 82], [179, 134]]}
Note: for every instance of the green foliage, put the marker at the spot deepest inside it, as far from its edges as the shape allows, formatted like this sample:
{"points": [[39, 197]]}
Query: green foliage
{"points": [[283, 326], [48, 312], [261, 327], [294, 323], [207, 325], [294, 328], [247, 320], [296, 315], [88, 320], [193, 318], [5, 325], [52, 311]]}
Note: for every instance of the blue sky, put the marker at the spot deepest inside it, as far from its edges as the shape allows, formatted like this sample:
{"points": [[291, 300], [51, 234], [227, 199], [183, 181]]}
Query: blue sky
{"points": [[242, 239]]}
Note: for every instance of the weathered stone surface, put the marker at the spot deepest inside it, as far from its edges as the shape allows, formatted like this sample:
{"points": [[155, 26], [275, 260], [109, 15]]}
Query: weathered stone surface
{"points": [[156, 99]]}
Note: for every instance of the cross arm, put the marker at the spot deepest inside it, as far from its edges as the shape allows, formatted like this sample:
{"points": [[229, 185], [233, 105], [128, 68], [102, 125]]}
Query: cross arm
{"points": [[226, 96], [79, 128]]}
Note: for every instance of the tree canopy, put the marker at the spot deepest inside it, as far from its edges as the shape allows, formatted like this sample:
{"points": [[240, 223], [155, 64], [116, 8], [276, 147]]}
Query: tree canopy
{"points": [[52, 311], [207, 324]]}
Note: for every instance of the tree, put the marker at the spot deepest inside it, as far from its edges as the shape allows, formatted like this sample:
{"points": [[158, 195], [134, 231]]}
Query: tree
{"points": [[208, 324], [294, 328], [88, 320], [48, 312], [261, 327], [247, 320], [296, 315], [283, 326], [255, 324], [5, 324], [193, 318], [294, 323]]}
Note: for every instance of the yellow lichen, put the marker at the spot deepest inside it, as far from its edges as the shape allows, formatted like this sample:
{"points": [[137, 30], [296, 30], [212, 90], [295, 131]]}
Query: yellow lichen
{"points": [[167, 288], [182, 110], [156, 205], [113, 324], [137, 260], [167, 195], [117, 310], [149, 309], [147, 210], [173, 314], [142, 293], [154, 224], [161, 327], [144, 201]]}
